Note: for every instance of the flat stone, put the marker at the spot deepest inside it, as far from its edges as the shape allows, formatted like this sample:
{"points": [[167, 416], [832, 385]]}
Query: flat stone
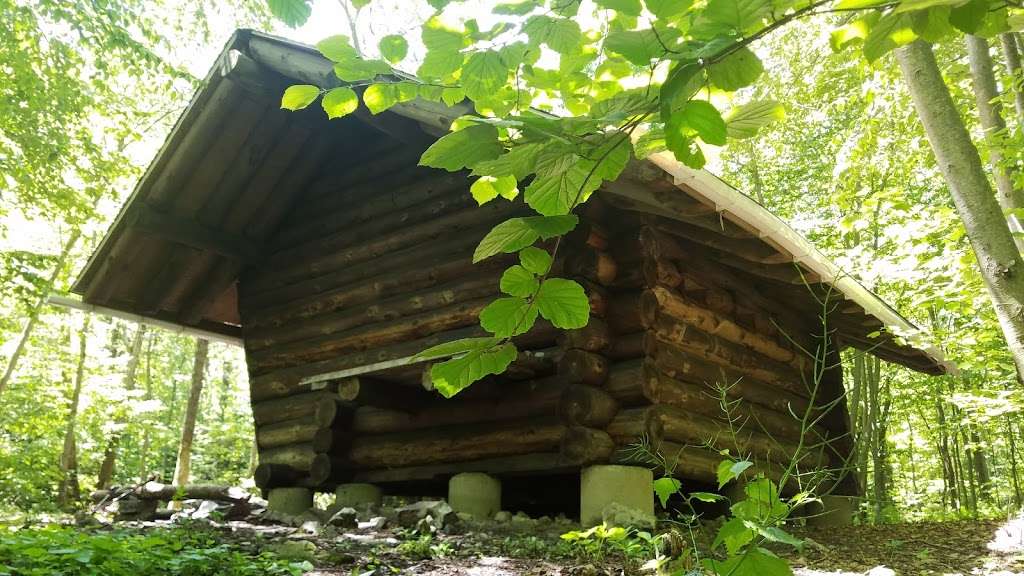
{"points": [[475, 493], [345, 518], [502, 516], [409, 516], [629, 486], [375, 523]]}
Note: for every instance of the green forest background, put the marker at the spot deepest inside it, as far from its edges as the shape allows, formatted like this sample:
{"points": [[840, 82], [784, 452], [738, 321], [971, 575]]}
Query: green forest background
{"points": [[96, 87]]}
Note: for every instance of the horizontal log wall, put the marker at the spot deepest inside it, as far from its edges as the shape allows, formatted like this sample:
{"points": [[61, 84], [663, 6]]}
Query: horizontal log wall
{"points": [[375, 265], [690, 338]]}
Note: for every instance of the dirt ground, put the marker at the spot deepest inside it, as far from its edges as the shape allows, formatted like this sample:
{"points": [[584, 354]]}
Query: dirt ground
{"points": [[988, 548]]}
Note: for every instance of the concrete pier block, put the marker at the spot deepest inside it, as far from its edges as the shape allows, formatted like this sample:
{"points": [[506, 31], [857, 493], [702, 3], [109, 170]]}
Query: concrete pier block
{"points": [[625, 486], [475, 493], [292, 501], [357, 496]]}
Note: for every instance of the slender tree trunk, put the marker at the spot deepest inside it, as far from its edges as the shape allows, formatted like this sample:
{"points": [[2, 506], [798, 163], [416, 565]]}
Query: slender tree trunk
{"points": [[69, 490], [998, 258], [33, 315], [107, 467], [986, 95], [948, 471], [981, 468], [144, 450], [183, 468], [1011, 53], [1010, 435], [912, 458]]}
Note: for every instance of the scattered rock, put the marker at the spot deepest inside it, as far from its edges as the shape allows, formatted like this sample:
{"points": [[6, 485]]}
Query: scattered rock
{"points": [[616, 514], [521, 518], [345, 518], [295, 550], [375, 523], [438, 510], [503, 517], [206, 507]]}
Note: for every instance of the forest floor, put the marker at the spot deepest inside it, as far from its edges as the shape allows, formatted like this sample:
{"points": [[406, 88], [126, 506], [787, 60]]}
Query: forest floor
{"points": [[949, 548]]}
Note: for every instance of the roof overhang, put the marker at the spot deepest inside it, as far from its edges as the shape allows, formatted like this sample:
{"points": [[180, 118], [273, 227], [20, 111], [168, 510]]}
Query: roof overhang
{"points": [[227, 121]]}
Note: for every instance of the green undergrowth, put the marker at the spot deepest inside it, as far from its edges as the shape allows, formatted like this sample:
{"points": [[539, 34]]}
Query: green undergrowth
{"points": [[176, 551]]}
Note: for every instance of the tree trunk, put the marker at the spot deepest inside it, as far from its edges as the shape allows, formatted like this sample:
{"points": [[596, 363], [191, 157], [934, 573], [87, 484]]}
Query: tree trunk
{"points": [[144, 451], [184, 465], [1010, 435], [998, 258], [1011, 52], [33, 314], [69, 490], [986, 95], [106, 473]]}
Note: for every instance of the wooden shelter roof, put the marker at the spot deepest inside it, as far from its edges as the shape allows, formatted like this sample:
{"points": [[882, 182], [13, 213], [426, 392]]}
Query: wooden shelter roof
{"points": [[234, 165]]}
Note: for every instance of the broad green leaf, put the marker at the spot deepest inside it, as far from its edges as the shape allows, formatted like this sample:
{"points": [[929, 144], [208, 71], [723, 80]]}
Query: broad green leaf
{"points": [[515, 234], [454, 375], [969, 16], [650, 142], [483, 74], [564, 303], [380, 97], [844, 36], [890, 32], [729, 470], [454, 347], [738, 70], [299, 96], [744, 121], [706, 496], [294, 13], [667, 9], [463, 149], [393, 48], [340, 102], [444, 47], [487, 188], [560, 34], [684, 79], [518, 281], [337, 48], [858, 4], [730, 17], [734, 534], [775, 534], [564, 179], [536, 260], [356, 69], [932, 25], [755, 562], [452, 95], [520, 8], [642, 46], [507, 317], [678, 139], [628, 7], [518, 162], [914, 5], [762, 503], [704, 118], [360, 4], [665, 487]]}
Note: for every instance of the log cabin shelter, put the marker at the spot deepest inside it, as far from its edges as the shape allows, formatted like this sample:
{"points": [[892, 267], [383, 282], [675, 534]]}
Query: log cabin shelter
{"points": [[333, 258]]}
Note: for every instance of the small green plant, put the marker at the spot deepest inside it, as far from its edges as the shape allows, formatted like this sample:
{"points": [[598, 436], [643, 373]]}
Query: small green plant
{"points": [[424, 547], [161, 552]]}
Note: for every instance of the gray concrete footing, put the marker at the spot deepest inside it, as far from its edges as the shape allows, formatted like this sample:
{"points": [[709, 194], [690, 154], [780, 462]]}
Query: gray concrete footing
{"points": [[627, 486], [292, 501], [357, 495], [833, 511], [475, 493]]}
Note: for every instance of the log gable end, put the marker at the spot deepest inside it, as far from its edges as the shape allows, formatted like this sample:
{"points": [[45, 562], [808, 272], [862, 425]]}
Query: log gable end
{"points": [[336, 258]]}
